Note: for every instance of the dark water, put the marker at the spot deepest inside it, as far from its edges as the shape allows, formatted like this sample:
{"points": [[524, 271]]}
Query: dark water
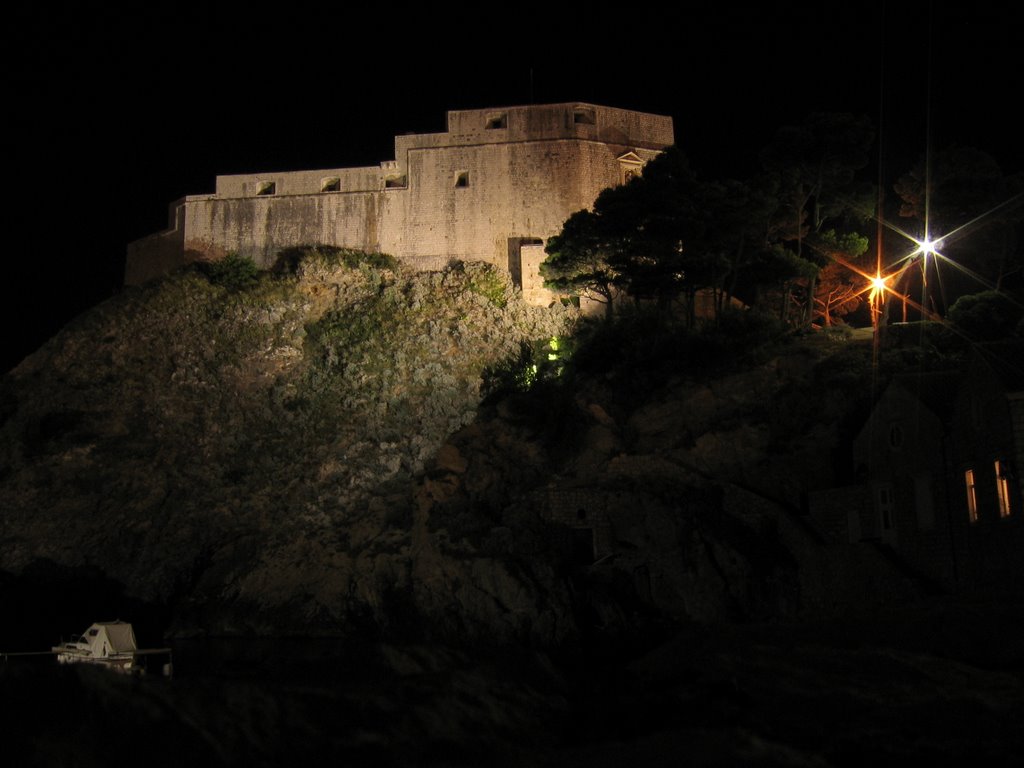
{"points": [[287, 702], [942, 684]]}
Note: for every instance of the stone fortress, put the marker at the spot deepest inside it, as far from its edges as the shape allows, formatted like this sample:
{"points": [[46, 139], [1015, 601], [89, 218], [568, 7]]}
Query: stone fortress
{"points": [[493, 188]]}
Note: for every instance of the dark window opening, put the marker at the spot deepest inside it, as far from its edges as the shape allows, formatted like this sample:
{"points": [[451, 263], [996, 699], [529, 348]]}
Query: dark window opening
{"points": [[332, 184], [584, 117], [515, 262], [266, 188], [895, 436], [886, 507], [497, 121], [395, 182], [462, 179], [582, 545]]}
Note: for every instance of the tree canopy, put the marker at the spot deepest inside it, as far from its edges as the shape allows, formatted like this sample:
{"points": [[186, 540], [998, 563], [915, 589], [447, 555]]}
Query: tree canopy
{"points": [[966, 203], [577, 260], [792, 238]]}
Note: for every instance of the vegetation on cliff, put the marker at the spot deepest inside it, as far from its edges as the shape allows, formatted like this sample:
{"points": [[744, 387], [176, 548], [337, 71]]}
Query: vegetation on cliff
{"points": [[222, 437], [304, 451], [406, 461]]}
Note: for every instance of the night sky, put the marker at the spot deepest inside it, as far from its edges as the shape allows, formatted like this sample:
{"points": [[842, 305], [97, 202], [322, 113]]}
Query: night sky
{"points": [[113, 116]]}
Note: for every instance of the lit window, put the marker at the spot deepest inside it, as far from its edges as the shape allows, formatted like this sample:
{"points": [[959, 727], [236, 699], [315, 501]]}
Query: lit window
{"points": [[1002, 489], [462, 179], [266, 188], [332, 184], [972, 496]]}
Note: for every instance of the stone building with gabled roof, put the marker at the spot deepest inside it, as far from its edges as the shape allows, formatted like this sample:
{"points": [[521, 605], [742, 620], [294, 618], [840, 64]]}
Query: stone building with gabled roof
{"points": [[492, 188], [939, 460], [901, 455]]}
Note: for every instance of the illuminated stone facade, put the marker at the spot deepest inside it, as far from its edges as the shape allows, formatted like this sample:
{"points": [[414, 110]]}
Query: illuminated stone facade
{"points": [[492, 188]]}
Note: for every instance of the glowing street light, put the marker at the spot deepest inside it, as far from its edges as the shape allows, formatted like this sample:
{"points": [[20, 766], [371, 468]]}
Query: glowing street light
{"points": [[876, 297], [926, 247], [929, 247]]}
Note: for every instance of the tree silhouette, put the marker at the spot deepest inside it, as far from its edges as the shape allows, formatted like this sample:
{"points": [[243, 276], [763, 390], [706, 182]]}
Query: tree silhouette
{"points": [[577, 261], [972, 199], [816, 165]]}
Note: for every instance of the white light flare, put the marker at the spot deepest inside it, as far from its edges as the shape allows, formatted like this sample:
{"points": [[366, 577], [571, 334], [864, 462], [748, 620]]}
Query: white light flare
{"points": [[929, 247], [926, 248]]}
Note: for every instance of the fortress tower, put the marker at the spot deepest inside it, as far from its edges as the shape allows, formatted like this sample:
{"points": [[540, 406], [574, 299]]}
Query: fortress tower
{"points": [[493, 187]]}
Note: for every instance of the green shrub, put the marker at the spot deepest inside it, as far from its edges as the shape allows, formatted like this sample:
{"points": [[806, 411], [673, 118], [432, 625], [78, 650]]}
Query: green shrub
{"points": [[233, 272], [484, 280], [289, 260], [986, 316]]}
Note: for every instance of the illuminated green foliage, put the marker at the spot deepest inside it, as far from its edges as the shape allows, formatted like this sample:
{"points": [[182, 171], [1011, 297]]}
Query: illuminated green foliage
{"points": [[233, 272], [290, 260], [485, 281], [538, 362]]}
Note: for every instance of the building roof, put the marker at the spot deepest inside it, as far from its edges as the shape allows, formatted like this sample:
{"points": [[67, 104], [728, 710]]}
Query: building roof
{"points": [[1005, 359], [937, 390]]}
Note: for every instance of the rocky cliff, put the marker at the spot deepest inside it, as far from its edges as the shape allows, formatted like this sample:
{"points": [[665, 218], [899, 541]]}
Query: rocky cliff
{"points": [[542, 576], [303, 452], [245, 448]]}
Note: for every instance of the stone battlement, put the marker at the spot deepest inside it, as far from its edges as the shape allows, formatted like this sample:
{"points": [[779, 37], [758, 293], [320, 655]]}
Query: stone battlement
{"points": [[493, 188]]}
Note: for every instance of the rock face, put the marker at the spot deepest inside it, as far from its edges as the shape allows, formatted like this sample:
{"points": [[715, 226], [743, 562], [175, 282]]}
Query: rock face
{"points": [[305, 453], [247, 453]]}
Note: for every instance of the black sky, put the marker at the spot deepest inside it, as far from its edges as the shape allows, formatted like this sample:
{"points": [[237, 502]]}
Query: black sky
{"points": [[113, 116]]}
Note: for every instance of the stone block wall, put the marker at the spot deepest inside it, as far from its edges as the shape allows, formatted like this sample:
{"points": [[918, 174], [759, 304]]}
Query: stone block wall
{"points": [[497, 181]]}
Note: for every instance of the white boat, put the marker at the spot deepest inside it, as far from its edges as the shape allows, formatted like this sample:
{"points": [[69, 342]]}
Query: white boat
{"points": [[110, 644]]}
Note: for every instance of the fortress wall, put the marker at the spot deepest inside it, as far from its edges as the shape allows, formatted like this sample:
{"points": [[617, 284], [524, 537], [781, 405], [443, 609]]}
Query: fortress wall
{"points": [[635, 128], [153, 255], [493, 188], [534, 291], [367, 179], [159, 253], [259, 228], [519, 190], [558, 121]]}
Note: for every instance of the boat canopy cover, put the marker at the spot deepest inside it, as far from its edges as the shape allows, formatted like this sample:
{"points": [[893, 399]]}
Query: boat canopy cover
{"points": [[118, 634]]}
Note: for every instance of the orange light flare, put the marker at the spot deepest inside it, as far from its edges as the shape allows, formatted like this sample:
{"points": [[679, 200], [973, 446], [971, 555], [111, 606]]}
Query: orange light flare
{"points": [[877, 285], [930, 248]]}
